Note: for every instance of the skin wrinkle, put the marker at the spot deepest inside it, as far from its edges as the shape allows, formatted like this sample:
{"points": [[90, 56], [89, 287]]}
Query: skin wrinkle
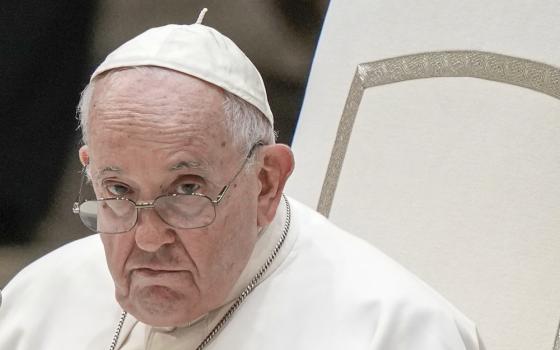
{"points": [[173, 261], [169, 146], [165, 105], [176, 133], [181, 169], [213, 257], [181, 165], [142, 127], [243, 131]]}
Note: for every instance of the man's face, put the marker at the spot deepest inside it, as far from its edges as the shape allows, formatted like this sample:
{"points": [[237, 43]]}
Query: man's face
{"points": [[153, 134]]}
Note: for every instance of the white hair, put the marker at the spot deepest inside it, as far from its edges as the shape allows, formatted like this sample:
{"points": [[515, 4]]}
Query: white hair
{"points": [[245, 123]]}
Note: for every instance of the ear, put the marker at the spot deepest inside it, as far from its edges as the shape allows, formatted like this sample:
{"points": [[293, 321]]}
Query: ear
{"points": [[84, 155], [277, 165]]}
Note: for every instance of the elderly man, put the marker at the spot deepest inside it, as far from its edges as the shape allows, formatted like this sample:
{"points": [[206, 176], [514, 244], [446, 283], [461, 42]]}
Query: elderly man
{"points": [[203, 249]]}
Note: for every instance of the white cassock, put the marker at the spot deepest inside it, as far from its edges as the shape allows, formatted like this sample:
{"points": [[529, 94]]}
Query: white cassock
{"points": [[325, 290]]}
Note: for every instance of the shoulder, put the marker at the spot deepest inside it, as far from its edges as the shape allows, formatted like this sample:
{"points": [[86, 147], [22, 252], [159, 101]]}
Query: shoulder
{"points": [[82, 259], [361, 277], [48, 299]]}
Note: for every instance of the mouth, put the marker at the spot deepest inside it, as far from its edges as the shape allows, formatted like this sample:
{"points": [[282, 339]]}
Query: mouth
{"points": [[143, 278], [154, 280], [170, 278], [146, 271]]}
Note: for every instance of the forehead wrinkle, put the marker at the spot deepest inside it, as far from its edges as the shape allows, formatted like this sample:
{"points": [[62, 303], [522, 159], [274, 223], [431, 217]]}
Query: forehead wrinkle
{"points": [[145, 117], [135, 101], [137, 107], [161, 100], [152, 130], [169, 140]]}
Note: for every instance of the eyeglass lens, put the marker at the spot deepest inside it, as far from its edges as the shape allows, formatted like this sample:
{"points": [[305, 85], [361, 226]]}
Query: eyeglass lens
{"points": [[120, 215]]}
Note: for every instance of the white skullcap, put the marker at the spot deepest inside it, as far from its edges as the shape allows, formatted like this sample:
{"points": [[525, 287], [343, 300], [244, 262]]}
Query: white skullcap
{"points": [[197, 50]]}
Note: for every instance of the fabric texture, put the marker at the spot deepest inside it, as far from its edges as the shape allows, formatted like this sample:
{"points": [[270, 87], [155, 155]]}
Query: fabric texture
{"points": [[197, 50], [329, 290]]}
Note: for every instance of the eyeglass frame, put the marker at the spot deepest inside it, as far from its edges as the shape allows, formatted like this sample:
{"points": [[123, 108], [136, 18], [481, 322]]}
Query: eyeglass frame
{"points": [[151, 205]]}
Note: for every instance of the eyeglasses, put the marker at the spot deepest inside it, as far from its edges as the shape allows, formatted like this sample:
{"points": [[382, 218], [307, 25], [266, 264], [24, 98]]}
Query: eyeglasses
{"points": [[120, 214]]}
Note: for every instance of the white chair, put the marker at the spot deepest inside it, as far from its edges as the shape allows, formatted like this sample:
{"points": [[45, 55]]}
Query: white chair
{"points": [[432, 130]]}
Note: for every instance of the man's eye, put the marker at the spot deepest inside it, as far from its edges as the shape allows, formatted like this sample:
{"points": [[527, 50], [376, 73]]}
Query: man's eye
{"points": [[187, 188], [117, 190]]}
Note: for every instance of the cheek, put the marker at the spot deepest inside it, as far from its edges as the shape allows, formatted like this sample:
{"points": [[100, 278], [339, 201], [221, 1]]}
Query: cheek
{"points": [[224, 247], [117, 251], [235, 238]]}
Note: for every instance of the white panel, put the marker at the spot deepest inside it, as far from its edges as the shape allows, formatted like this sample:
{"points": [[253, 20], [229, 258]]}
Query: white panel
{"points": [[456, 178], [465, 193], [361, 31]]}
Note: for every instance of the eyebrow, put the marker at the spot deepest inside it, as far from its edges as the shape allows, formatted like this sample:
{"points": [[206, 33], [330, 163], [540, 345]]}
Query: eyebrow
{"points": [[186, 165], [178, 166], [108, 169]]}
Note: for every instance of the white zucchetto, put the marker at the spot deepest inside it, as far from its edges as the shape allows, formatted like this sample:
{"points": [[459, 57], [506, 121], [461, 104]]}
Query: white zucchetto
{"points": [[197, 50]]}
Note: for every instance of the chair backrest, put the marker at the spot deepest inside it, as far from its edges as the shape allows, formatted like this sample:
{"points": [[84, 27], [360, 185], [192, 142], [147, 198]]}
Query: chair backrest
{"points": [[432, 130]]}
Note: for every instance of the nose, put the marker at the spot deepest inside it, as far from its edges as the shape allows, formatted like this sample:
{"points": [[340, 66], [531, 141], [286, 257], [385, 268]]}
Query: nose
{"points": [[151, 232]]}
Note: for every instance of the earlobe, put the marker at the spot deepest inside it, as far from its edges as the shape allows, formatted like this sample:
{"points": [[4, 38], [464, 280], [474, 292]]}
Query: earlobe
{"points": [[277, 165], [84, 155]]}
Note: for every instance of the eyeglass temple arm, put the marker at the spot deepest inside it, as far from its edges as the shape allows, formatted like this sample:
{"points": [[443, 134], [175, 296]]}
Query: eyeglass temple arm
{"points": [[226, 187], [221, 194], [76, 205]]}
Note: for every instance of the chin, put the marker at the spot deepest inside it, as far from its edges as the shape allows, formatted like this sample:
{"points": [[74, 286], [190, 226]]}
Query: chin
{"points": [[160, 306]]}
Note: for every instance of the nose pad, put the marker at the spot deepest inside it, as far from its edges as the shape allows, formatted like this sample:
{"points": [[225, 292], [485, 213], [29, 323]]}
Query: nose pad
{"points": [[151, 232]]}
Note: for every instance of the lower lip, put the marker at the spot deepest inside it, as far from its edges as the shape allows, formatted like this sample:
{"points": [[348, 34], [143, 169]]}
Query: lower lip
{"points": [[149, 277], [156, 273]]}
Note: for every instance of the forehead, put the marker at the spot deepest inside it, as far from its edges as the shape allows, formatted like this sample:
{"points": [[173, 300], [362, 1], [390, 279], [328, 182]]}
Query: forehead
{"points": [[152, 112], [157, 89]]}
